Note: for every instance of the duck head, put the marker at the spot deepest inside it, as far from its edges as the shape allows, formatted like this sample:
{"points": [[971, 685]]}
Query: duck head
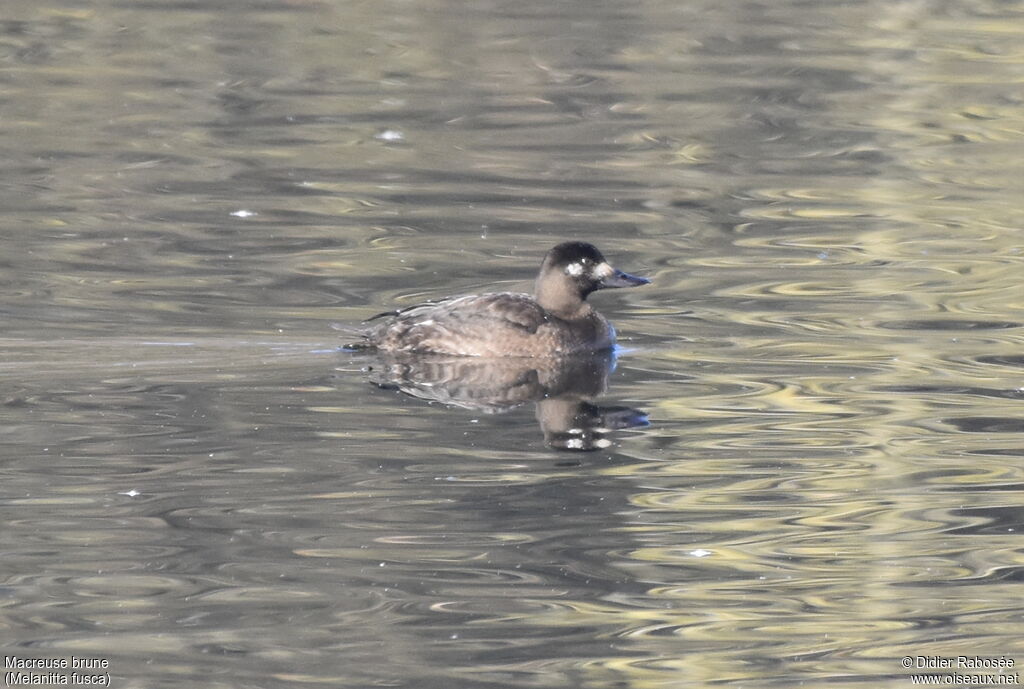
{"points": [[571, 271]]}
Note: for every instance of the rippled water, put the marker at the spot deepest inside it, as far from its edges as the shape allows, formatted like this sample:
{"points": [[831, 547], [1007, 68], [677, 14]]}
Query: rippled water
{"points": [[199, 488]]}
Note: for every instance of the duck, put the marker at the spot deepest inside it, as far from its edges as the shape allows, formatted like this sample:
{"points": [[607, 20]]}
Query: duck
{"points": [[555, 320]]}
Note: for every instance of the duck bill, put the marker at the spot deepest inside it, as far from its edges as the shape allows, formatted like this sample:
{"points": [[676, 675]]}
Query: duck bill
{"points": [[620, 279]]}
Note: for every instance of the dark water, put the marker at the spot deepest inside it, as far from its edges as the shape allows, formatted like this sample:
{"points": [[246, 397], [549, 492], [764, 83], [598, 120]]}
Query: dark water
{"points": [[199, 489]]}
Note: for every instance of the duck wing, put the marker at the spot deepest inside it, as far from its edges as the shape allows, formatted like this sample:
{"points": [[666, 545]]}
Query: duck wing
{"points": [[505, 308], [459, 325]]}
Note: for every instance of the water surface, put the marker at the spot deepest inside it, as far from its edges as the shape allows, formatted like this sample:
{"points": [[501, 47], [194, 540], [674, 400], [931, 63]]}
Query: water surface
{"points": [[201, 489]]}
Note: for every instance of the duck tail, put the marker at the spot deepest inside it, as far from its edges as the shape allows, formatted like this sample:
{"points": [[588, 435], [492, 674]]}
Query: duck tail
{"points": [[362, 345]]}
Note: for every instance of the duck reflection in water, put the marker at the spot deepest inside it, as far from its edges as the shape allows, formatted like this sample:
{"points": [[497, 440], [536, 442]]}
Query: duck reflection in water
{"points": [[491, 352], [564, 390]]}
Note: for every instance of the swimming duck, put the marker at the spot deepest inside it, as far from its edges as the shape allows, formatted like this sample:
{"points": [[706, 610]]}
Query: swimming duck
{"points": [[555, 321]]}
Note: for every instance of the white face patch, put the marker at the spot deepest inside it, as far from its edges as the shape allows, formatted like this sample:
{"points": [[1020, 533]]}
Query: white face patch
{"points": [[598, 272]]}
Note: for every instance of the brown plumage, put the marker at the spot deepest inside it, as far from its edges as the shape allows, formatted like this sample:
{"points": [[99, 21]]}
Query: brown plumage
{"points": [[554, 322]]}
